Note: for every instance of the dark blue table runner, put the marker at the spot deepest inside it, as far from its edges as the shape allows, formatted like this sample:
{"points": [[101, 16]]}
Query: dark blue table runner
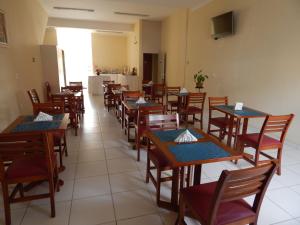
{"points": [[245, 112], [171, 135], [197, 151]]}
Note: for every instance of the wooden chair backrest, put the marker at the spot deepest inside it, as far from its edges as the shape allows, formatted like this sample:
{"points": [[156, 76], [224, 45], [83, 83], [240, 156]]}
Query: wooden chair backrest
{"points": [[49, 107], [239, 184], [162, 121], [69, 101], [196, 98], [19, 145], [144, 111], [33, 95], [215, 101], [48, 91], [276, 124], [171, 91], [131, 95]]}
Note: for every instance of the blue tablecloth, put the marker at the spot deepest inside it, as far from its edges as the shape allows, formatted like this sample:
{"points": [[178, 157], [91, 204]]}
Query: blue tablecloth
{"points": [[135, 105], [171, 135], [37, 126], [245, 112], [197, 151], [55, 117]]}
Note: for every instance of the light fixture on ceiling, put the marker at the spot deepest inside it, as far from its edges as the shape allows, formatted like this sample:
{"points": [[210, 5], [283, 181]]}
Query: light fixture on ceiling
{"points": [[131, 14], [109, 31], [73, 9]]}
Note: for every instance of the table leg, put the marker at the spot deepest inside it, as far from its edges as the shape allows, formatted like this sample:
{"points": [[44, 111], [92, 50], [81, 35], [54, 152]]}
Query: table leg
{"points": [[197, 174], [237, 131], [245, 126], [174, 195], [123, 115], [230, 130]]}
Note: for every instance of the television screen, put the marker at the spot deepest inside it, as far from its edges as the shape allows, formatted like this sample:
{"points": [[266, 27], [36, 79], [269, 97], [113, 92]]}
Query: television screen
{"points": [[222, 25]]}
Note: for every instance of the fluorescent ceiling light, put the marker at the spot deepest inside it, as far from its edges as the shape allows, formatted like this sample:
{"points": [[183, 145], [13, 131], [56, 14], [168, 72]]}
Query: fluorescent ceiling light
{"points": [[74, 9], [131, 14]]}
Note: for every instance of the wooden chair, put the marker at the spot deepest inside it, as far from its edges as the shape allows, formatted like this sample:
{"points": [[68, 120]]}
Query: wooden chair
{"points": [[194, 106], [277, 125], [27, 158], [118, 103], [48, 91], [222, 202], [34, 97], [172, 99], [70, 106], [109, 100], [154, 157], [221, 122], [140, 125], [78, 98], [158, 93], [129, 116], [60, 140]]}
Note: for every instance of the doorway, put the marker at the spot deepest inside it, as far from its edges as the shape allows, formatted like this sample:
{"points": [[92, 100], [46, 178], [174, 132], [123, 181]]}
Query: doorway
{"points": [[151, 68], [77, 46]]}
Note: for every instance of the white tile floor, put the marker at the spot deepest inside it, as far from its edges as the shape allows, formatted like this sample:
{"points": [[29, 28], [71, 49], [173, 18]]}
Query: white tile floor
{"points": [[104, 184]]}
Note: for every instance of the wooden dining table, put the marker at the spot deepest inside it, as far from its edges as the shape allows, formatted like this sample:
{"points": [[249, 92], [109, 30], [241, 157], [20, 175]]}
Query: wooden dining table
{"points": [[26, 123], [241, 116], [206, 149], [131, 107]]}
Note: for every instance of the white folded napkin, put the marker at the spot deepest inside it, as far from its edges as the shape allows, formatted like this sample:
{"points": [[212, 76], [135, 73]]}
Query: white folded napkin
{"points": [[43, 117], [183, 90], [185, 136], [123, 89], [150, 82], [141, 100]]}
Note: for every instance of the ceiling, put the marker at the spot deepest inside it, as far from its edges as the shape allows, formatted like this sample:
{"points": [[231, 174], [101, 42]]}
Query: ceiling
{"points": [[104, 9]]}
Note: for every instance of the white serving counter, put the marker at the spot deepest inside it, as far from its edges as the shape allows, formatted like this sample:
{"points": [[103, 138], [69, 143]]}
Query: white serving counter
{"points": [[95, 82]]}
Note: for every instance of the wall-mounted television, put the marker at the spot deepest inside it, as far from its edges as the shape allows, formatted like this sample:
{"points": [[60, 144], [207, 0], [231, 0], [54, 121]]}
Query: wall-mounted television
{"points": [[223, 25]]}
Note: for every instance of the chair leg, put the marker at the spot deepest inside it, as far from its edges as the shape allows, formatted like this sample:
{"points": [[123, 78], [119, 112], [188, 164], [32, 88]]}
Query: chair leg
{"points": [[148, 168], [279, 155], [65, 145], [181, 213], [158, 177], [137, 144], [52, 193], [6, 203]]}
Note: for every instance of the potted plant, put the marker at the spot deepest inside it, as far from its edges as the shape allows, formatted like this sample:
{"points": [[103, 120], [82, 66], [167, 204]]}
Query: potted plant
{"points": [[199, 79]]}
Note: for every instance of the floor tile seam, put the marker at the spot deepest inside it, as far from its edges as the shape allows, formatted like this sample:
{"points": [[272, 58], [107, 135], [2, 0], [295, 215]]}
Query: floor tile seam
{"points": [[279, 206], [110, 188], [71, 204], [23, 217], [135, 217], [284, 221]]}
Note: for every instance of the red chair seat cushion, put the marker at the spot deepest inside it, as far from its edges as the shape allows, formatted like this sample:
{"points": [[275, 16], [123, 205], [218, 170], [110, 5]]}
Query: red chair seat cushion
{"points": [[158, 158], [200, 198], [252, 140], [28, 167]]}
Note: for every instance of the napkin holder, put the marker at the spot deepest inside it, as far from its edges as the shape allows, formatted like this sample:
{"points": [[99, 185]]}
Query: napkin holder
{"points": [[141, 100], [238, 106], [183, 91]]}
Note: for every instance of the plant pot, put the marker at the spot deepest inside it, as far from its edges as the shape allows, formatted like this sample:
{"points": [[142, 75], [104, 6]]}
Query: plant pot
{"points": [[199, 85]]}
